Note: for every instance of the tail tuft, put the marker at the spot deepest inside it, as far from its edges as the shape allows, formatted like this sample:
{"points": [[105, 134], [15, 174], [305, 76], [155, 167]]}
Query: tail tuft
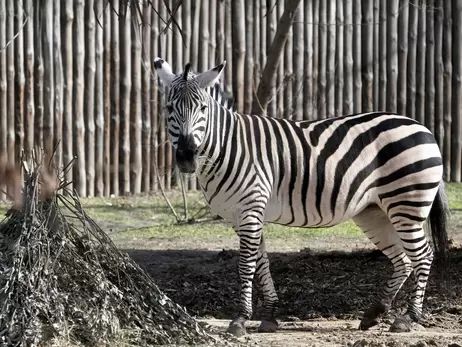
{"points": [[439, 218]]}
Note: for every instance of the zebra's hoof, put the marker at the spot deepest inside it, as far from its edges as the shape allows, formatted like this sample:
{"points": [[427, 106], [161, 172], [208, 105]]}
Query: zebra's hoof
{"points": [[236, 327], [268, 326], [367, 323], [402, 324]]}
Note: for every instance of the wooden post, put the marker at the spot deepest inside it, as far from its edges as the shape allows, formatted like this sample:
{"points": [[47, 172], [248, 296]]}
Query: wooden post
{"points": [[339, 57], [249, 58], [68, 106], [99, 99], [89, 96], [161, 128], [298, 42], [411, 62], [357, 77], [348, 60], [383, 33], [29, 72], [308, 112], [367, 46], [447, 88], [79, 100], [330, 62], [20, 17], [403, 21], [238, 40], [439, 76], [10, 58], [375, 55], [196, 28], [212, 49], [392, 56], [135, 125], [107, 101], [430, 69], [3, 86], [280, 77], [115, 97], [287, 74], [228, 85], [156, 115], [322, 47], [456, 153], [271, 21], [420, 68], [257, 64], [125, 90], [146, 148], [38, 73], [58, 84], [220, 28]]}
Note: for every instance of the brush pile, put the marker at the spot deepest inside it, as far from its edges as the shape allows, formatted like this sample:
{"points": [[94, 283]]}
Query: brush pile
{"points": [[62, 276]]}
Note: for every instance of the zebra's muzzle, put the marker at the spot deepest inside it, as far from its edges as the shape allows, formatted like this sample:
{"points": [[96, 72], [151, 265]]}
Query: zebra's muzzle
{"points": [[186, 154]]}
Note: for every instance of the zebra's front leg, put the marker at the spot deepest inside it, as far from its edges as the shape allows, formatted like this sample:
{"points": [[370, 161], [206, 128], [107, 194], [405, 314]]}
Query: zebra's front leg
{"points": [[249, 232], [270, 298]]}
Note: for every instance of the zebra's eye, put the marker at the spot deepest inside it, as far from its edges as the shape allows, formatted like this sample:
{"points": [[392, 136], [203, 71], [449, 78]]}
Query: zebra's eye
{"points": [[169, 109], [203, 108]]}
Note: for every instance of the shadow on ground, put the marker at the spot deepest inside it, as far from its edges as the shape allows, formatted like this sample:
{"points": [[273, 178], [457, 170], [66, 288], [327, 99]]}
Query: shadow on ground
{"points": [[335, 285]]}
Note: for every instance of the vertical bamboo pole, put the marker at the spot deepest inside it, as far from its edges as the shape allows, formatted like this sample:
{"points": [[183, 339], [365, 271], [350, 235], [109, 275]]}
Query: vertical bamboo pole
{"points": [[229, 50], [322, 39], [248, 61], [420, 68], [155, 95], [135, 125], [212, 50], [403, 21], [288, 73], [169, 163], [186, 28], [411, 62], [272, 16], [330, 62], [10, 58], [439, 76], [196, 11], [89, 96], [348, 60], [447, 88], [115, 98], [383, 56], [38, 74], [99, 100], [280, 80], [430, 70], [456, 162], [339, 57], [125, 90], [3, 86], [68, 107], [79, 100], [357, 76], [146, 72], [238, 40], [29, 72], [375, 55], [220, 28], [308, 61], [58, 84], [298, 42], [161, 163], [203, 34], [367, 46], [107, 101], [20, 17], [263, 39], [177, 45], [392, 56], [257, 67]]}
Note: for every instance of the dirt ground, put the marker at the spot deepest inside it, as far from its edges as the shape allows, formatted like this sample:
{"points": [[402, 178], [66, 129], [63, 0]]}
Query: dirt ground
{"points": [[322, 293]]}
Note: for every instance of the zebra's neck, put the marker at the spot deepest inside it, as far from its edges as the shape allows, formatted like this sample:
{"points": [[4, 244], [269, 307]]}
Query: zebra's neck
{"points": [[220, 125]]}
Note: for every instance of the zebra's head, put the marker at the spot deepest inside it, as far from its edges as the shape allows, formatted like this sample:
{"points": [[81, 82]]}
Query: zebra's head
{"points": [[188, 108]]}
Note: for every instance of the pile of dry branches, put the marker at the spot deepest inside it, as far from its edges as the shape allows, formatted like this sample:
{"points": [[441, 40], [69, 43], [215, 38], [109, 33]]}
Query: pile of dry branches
{"points": [[61, 275]]}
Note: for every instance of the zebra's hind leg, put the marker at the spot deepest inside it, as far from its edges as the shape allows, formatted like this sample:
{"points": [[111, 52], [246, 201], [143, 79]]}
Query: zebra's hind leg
{"points": [[378, 228], [270, 298]]}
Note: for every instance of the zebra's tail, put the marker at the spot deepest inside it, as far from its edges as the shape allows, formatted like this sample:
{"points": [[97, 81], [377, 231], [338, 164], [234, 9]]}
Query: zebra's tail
{"points": [[438, 222]]}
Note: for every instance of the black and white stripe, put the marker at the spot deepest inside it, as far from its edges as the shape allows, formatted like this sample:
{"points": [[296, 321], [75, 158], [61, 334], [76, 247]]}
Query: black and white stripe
{"points": [[382, 170]]}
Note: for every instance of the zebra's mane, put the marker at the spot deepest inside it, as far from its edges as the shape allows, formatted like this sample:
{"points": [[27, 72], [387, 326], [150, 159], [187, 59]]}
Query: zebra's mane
{"points": [[223, 98]]}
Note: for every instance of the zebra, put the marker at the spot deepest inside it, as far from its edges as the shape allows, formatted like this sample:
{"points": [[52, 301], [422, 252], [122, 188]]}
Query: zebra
{"points": [[382, 170]]}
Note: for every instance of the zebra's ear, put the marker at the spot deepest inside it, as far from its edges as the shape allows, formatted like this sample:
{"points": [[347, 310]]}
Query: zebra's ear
{"points": [[164, 71], [210, 77]]}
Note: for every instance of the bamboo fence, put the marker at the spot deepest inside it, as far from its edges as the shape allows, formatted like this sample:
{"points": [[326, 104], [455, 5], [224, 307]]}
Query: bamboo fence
{"points": [[76, 76]]}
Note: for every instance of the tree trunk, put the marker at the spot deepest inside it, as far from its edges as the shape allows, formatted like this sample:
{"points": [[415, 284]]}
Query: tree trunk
{"points": [[249, 56], [89, 96], [229, 73], [271, 22], [146, 73], [155, 109], [58, 84], [357, 78], [308, 112], [212, 49], [339, 57], [288, 74], [29, 88], [348, 60], [383, 57], [430, 70], [322, 47], [420, 68], [367, 30], [3, 86], [276, 49], [38, 73], [298, 42], [411, 61], [99, 101], [10, 58], [330, 62], [439, 76], [392, 55], [375, 58], [20, 17], [68, 107], [108, 87]]}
